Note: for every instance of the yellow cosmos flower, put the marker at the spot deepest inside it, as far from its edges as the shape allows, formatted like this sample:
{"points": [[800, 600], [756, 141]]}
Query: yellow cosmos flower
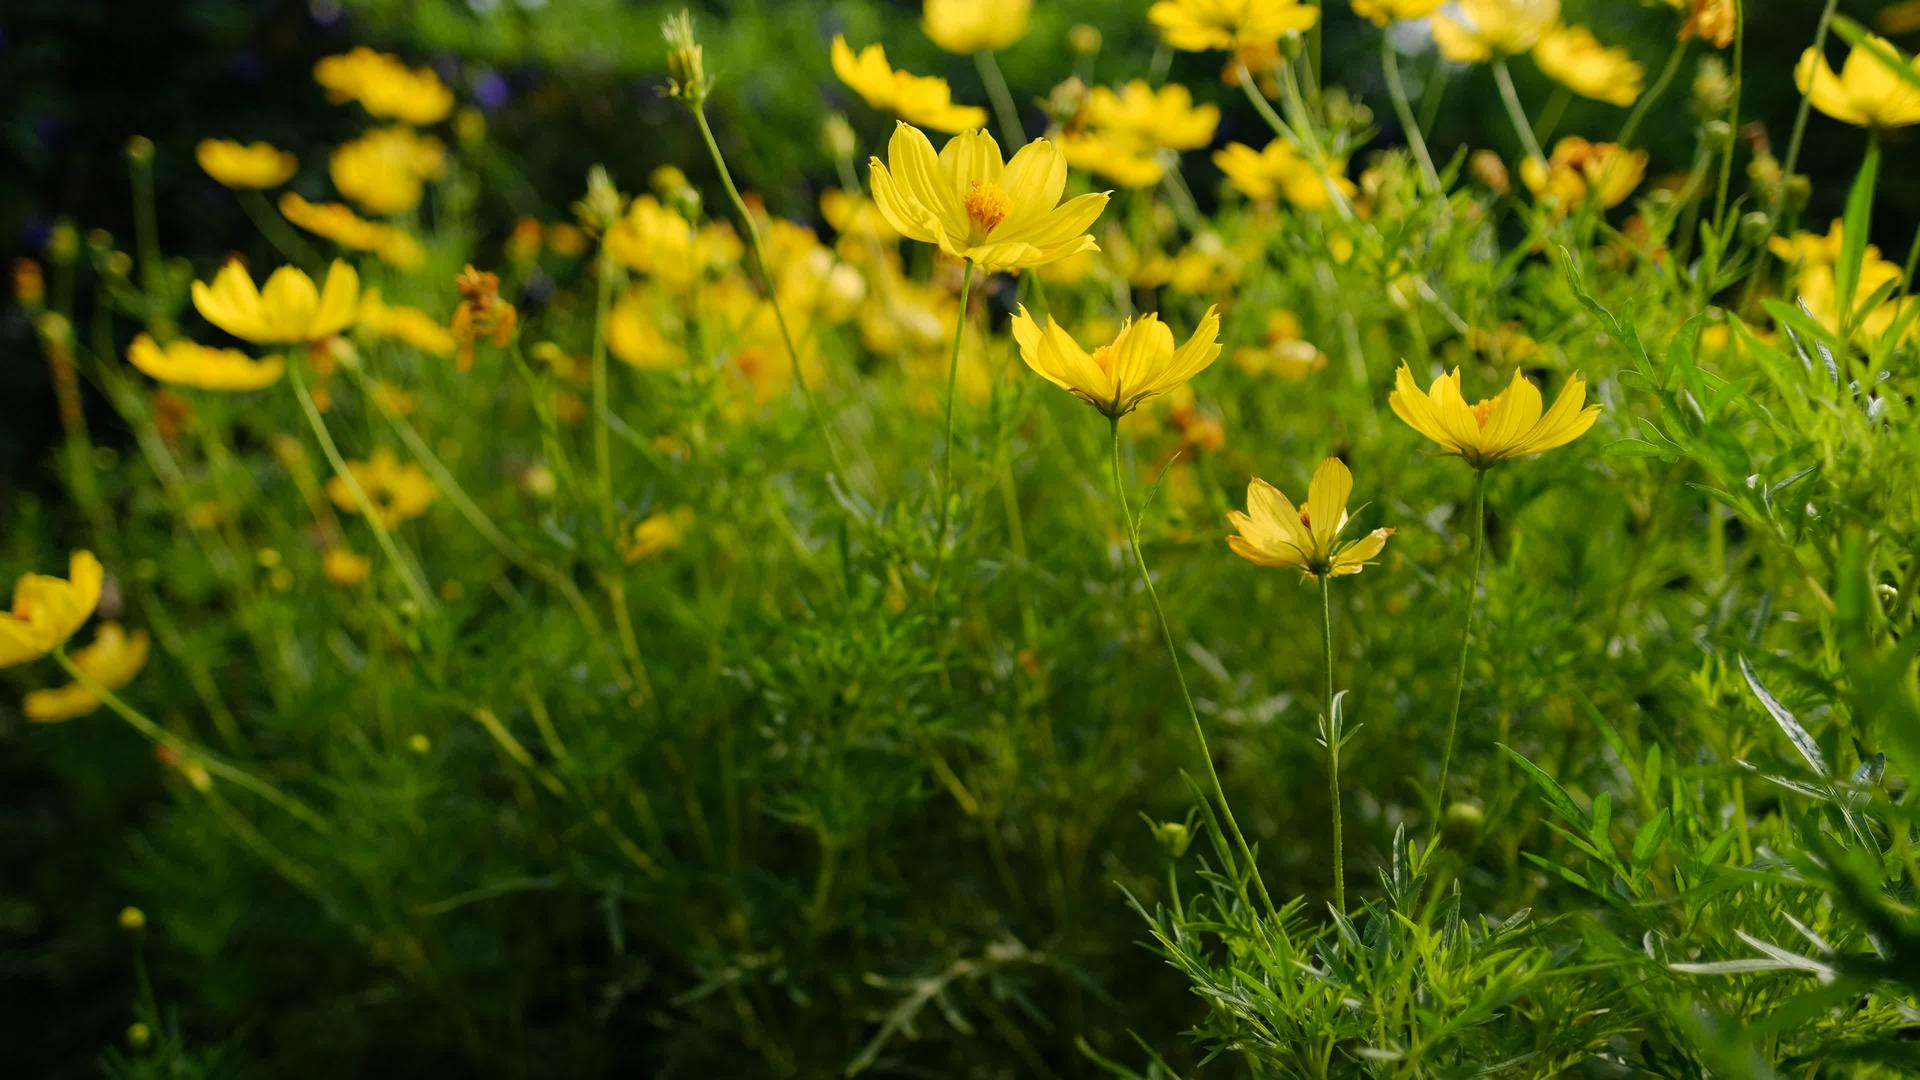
{"points": [[1813, 249], [1140, 363], [635, 336], [47, 610], [1867, 92], [1280, 170], [1486, 27], [396, 491], [1200, 25], [1383, 12], [111, 659], [971, 26], [386, 170], [384, 86], [253, 165], [972, 205], [1163, 118], [926, 100], [344, 568], [289, 311], [405, 324], [188, 363], [1273, 533], [1712, 21], [1509, 425], [337, 222], [1574, 58], [657, 534], [656, 240], [1122, 160], [1580, 170]]}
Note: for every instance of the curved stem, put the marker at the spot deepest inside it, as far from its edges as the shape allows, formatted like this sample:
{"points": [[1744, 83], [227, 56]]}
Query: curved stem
{"points": [[953, 385], [1264, 107], [1511, 98], [1180, 676], [1410, 124], [1652, 94], [1466, 636], [1333, 747], [1002, 98], [602, 451], [1733, 115]]}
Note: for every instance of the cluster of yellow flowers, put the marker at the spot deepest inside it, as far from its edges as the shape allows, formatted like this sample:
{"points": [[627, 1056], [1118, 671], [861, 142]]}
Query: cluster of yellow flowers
{"points": [[47, 611]]}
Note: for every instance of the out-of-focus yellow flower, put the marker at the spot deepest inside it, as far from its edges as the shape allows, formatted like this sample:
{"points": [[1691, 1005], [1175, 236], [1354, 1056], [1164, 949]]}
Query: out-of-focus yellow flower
{"points": [[566, 239], [863, 232], [1867, 92], [1813, 249], [1124, 161], [405, 324], [1712, 21], [252, 165], [289, 311], [1115, 378], [47, 610], [1280, 170], [635, 337], [188, 363], [1284, 352], [656, 240], [390, 398], [481, 314], [344, 568], [925, 100], [1166, 117], [1580, 170], [111, 659], [971, 26], [1273, 533], [1486, 27], [396, 491], [384, 86], [1574, 58], [29, 284], [1001, 215], [1383, 12], [656, 535], [1508, 425], [386, 170], [337, 222], [1204, 264], [1812, 259], [910, 317], [1200, 25]]}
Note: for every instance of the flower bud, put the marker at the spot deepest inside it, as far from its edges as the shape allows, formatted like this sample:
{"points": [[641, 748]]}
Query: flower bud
{"points": [[837, 136], [1712, 89], [29, 284], [1719, 134], [1755, 227], [1486, 167], [132, 920], [686, 63], [1461, 823], [63, 244], [1084, 40], [1799, 190], [140, 149], [1173, 837], [139, 1036]]}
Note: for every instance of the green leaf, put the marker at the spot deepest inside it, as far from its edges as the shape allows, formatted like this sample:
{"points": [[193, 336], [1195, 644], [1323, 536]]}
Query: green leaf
{"points": [[1646, 842], [1556, 796], [1802, 740], [1858, 222]]}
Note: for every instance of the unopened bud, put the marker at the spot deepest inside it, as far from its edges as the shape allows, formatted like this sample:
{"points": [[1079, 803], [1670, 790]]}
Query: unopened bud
{"points": [[1719, 135], [1084, 39], [139, 1036], [1461, 824], [1755, 227], [1172, 836], [29, 284], [686, 63], [140, 149], [837, 136], [132, 920], [1799, 190]]}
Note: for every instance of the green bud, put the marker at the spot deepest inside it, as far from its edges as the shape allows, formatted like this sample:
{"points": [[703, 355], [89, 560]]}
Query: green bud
{"points": [[1461, 823]]}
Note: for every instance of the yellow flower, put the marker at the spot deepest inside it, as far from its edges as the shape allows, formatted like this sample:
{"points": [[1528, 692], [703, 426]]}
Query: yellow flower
{"points": [[659, 533], [111, 659], [289, 311], [1115, 378], [1280, 170], [1509, 425], [1200, 25], [384, 86], [1580, 170], [344, 568], [1712, 21], [47, 610], [396, 492], [386, 170], [405, 324], [636, 338], [1122, 160], [926, 100], [188, 363], [656, 240], [256, 165], [1383, 12], [1574, 58], [1867, 92], [1508, 27], [1812, 249], [1163, 118], [971, 26], [1273, 533], [1001, 215], [338, 223]]}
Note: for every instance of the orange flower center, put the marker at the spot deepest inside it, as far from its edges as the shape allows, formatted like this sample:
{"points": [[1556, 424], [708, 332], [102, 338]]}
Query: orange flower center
{"points": [[988, 204], [1306, 519], [1483, 412]]}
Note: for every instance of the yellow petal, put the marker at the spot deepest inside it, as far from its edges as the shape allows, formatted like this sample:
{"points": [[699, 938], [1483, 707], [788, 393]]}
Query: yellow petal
{"points": [[1327, 495]]}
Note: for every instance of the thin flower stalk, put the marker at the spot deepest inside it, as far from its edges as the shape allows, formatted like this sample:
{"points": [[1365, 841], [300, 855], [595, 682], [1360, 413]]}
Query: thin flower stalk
{"points": [[1466, 635]]}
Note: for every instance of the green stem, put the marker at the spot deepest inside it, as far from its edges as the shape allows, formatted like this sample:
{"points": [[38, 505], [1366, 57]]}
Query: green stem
{"points": [[275, 228], [1303, 122], [1466, 636], [1264, 107], [1733, 114], [1002, 98], [602, 448], [419, 590], [1652, 95], [1511, 98], [1333, 747], [766, 282], [953, 385], [1397, 90], [1173, 653]]}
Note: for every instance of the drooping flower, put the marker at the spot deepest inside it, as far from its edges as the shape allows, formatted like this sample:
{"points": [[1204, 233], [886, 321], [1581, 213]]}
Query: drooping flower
{"points": [[395, 491], [1508, 425], [188, 363], [1281, 171], [405, 324], [972, 205], [1138, 364], [47, 610], [1273, 533], [111, 659], [337, 222], [925, 100], [1383, 12], [971, 26], [289, 311], [1574, 58], [384, 86], [1486, 27], [482, 314], [1580, 170], [1202, 25], [1867, 92], [252, 165], [386, 170]]}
